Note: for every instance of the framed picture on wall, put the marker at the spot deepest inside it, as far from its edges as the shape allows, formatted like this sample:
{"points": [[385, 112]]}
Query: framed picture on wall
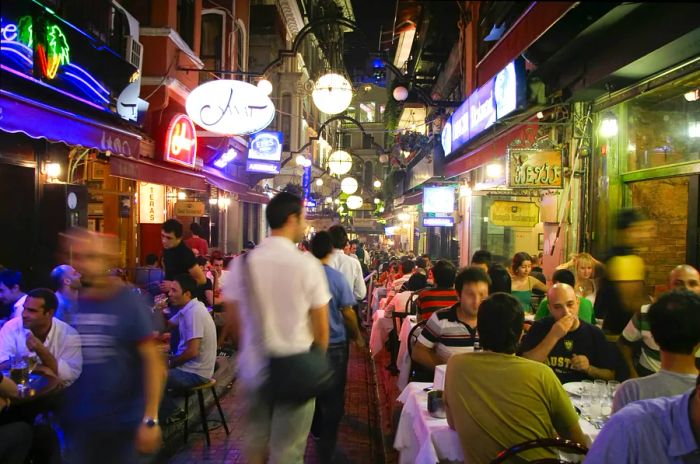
{"points": [[92, 225], [540, 242], [98, 170]]}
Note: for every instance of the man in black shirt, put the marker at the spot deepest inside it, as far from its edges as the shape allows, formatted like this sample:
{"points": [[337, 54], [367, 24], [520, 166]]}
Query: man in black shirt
{"points": [[574, 349], [177, 257]]}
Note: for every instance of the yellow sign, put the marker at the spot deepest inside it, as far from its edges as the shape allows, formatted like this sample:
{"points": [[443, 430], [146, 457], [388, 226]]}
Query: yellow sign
{"points": [[536, 169], [189, 208], [151, 203], [514, 214]]}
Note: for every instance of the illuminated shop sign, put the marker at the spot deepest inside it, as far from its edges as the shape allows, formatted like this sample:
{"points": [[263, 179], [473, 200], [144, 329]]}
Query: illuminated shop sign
{"points": [[494, 100], [439, 200], [181, 141], [225, 158], [438, 222], [266, 146], [230, 107], [151, 203], [533, 168], [263, 167], [514, 214]]}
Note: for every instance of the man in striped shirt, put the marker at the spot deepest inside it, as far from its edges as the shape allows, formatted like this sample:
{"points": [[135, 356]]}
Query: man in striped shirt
{"points": [[453, 330], [443, 295], [638, 329]]}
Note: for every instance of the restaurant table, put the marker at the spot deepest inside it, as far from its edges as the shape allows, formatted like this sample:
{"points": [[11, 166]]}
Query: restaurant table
{"points": [[403, 360], [423, 439], [377, 294], [38, 387], [381, 328]]}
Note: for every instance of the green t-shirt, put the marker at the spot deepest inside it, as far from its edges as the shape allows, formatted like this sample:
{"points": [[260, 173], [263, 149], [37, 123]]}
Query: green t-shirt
{"points": [[498, 400], [585, 310]]}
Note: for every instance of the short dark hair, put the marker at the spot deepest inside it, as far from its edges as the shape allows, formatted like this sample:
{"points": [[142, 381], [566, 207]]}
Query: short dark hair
{"points": [[321, 244], [500, 279], [196, 229], [216, 255], [482, 257], [470, 275], [421, 262], [675, 321], [201, 260], [49, 297], [519, 259], [187, 284], [173, 226], [564, 276], [626, 217], [407, 266], [9, 278], [280, 207], [339, 236], [151, 259], [417, 282], [355, 242], [500, 323], [444, 273]]}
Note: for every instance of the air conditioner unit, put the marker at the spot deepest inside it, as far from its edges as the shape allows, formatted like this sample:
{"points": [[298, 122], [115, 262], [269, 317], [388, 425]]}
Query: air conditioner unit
{"points": [[134, 52]]}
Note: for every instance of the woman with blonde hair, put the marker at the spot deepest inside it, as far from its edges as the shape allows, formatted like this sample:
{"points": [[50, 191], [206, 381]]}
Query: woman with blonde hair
{"points": [[583, 265]]}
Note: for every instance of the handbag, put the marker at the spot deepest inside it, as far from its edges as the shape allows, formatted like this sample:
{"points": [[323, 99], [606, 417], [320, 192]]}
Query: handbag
{"points": [[295, 378]]}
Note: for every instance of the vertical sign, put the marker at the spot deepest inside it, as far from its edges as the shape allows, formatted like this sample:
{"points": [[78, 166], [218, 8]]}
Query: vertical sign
{"points": [[306, 184], [151, 203], [181, 141]]}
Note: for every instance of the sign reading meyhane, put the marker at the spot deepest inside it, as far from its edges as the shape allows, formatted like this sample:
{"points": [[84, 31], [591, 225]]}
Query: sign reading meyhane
{"points": [[514, 214], [532, 168], [151, 203]]}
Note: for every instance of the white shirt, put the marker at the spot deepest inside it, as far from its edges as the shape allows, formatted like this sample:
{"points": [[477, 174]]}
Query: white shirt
{"points": [[352, 270], [194, 321], [18, 307], [288, 285], [62, 341]]}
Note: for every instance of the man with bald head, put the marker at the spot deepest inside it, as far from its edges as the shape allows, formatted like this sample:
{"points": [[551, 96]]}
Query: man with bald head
{"points": [[574, 349], [638, 331], [66, 282]]}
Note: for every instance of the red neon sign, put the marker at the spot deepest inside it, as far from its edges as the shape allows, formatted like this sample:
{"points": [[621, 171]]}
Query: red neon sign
{"points": [[181, 141]]}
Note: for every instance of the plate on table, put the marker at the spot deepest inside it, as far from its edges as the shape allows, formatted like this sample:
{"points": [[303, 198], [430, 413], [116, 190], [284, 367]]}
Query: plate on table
{"points": [[573, 388]]}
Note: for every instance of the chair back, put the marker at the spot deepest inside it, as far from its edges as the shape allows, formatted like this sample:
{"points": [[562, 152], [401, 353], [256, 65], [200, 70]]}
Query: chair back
{"points": [[565, 445], [417, 372], [412, 303], [413, 336]]}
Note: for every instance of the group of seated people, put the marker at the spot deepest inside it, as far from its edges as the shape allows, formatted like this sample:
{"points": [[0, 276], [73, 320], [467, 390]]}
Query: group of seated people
{"points": [[530, 361]]}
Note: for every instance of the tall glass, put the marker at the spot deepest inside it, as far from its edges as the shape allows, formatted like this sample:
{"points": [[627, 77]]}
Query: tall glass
{"points": [[19, 370]]}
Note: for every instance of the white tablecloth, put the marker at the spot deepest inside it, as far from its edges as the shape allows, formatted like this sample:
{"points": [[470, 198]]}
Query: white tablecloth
{"points": [[381, 327], [403, 361], [423, 439]]}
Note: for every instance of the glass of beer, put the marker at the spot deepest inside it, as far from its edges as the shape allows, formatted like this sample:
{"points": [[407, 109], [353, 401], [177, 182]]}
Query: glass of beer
{"points": [[19, 370]]}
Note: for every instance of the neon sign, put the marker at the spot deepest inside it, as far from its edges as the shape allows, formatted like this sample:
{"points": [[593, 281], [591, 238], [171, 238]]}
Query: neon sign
{"points": [[181, 141]]}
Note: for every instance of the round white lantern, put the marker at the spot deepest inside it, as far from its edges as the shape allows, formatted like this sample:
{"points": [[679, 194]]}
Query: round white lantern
{"points": [[332, 93], [319, 182], [354, 202], [340, 162], [349, 185], [265, 86], [400, 93], [377, 184]]}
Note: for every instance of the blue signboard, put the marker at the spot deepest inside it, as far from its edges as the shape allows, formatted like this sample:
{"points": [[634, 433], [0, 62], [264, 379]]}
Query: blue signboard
{"points": [[306, 182], [262, 167], [266, 146]]}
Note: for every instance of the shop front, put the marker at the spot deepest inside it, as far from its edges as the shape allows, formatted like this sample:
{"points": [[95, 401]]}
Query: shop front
{"points": [[646, 157]]}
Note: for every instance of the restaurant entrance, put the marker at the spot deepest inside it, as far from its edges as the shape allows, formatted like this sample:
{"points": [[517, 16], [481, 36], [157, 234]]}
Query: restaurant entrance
{"points": [[17, 210]]}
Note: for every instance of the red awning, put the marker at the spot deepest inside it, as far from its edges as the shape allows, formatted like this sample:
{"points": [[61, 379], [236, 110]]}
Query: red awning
{"points": [[151, 171]]}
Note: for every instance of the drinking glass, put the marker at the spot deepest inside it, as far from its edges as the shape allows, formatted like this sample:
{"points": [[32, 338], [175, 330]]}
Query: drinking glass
{"points": [[612, 387], [19, 370], [601, 387]]}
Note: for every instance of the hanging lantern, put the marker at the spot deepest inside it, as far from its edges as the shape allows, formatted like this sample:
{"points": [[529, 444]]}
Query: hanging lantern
{"points": [[340, 162], [349, 185], [332, 93], [354, 202], [400, 93]]}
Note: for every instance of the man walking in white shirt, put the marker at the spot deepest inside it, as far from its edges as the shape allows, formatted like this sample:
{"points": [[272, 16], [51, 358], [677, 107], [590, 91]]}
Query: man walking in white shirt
{"points": [[289, 315], [345, 264], [55, 344]]}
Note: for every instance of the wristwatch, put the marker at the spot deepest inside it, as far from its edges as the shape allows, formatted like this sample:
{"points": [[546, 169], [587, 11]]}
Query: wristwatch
{"points": [[150, 421]]}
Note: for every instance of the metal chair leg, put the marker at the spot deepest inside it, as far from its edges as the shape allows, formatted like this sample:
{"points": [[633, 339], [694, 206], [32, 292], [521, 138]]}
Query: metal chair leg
{"points": [[187, 410], [221, 413], [203, 415]]}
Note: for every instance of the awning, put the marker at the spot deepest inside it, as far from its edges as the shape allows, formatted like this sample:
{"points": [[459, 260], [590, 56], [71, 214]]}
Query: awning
{"points": [[150, 171], [38, 120], [242, 190], [409, 199]]}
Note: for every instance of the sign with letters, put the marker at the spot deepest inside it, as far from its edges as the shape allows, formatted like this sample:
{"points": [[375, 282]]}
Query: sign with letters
{"points": [[266, 146], [535, 169], [181, 141], [514, 214], [151, 203], [189, 208], [230, 107]]}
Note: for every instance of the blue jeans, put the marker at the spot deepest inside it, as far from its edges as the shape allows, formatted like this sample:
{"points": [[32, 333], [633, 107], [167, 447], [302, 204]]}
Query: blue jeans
{"points": [[330, 406], [178, 382]]}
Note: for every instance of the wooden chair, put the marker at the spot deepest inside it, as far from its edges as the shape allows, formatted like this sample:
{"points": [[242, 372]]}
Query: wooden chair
{"points": [[417, 372], [567, 446], [397, 321], [199, 390]]}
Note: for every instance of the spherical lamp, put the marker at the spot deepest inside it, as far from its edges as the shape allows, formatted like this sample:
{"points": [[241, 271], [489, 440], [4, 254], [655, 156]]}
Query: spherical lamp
{"points": [[383, 159], [354, 202], [400, 93], [349, 185], [340, 162], [332, 93], [319, 182], [265, 86], [377, 184]]}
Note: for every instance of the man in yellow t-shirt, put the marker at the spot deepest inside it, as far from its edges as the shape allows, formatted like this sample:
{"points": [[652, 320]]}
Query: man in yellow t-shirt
{"points": [[495, 400]]}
